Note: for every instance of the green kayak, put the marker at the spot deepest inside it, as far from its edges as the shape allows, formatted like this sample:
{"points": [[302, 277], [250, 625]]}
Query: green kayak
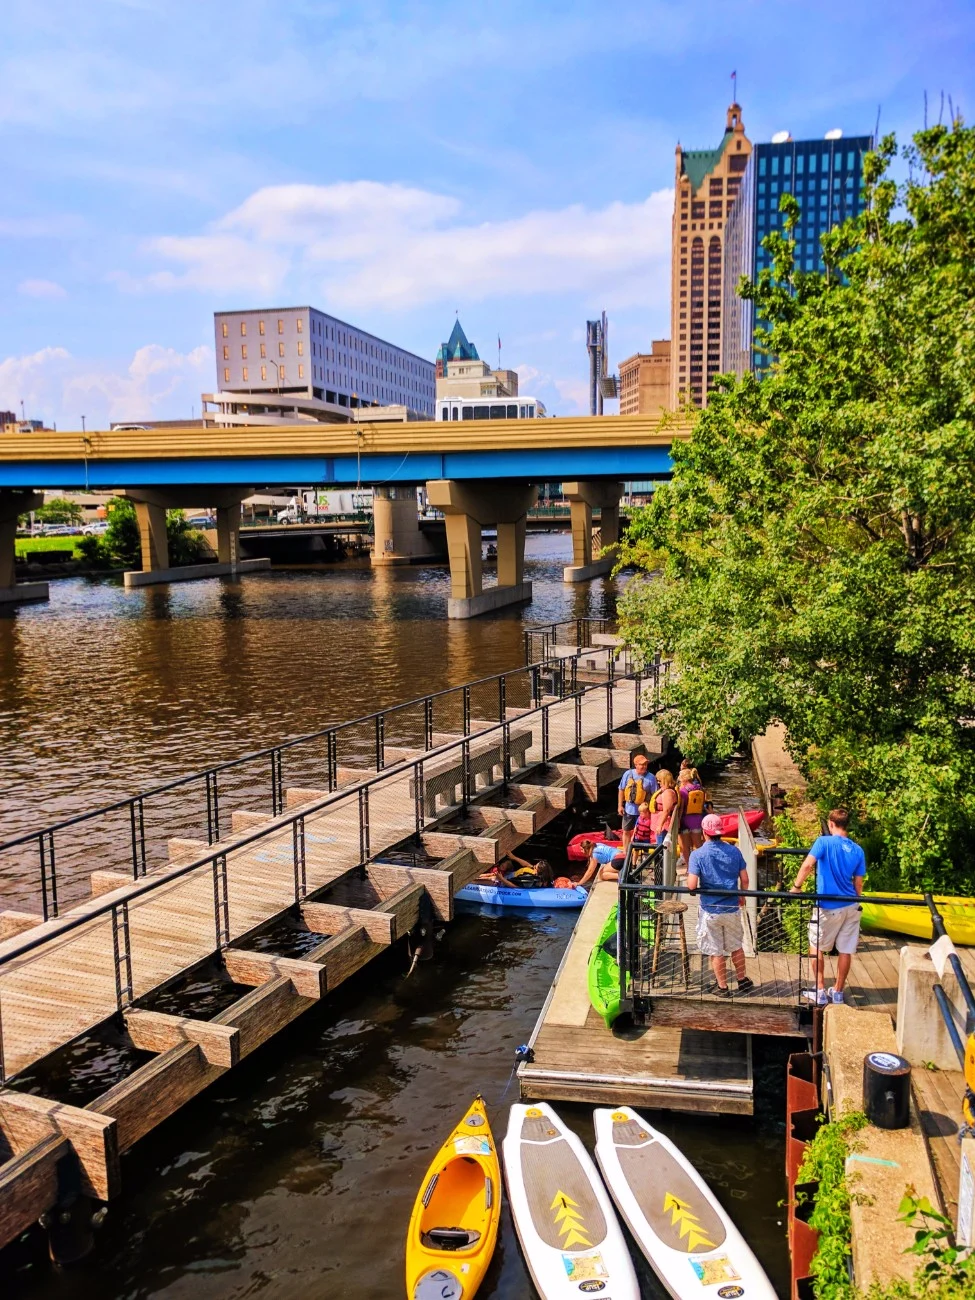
{"points": [[604, 967]]}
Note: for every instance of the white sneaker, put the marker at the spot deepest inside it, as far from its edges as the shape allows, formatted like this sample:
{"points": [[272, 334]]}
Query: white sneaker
{"points": [[836, 996], [819, 996]]}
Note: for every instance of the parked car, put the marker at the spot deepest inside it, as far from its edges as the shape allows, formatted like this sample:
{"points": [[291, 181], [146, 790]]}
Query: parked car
{"points": [[61, 530], [95, 528], [202, 521]]}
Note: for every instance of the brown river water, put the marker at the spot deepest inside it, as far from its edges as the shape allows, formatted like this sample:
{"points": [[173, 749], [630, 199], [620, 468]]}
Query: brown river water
{"points": [[295, 1174]]}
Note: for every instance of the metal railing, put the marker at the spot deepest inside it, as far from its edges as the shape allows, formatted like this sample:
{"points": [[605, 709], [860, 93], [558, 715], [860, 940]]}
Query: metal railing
{"points": [[47, 868], [541, 639], [127, 949], [661, 941]]}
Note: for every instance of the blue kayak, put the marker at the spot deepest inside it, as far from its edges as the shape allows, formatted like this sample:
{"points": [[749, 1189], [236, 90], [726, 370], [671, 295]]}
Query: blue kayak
{"points": [[512, 896]]}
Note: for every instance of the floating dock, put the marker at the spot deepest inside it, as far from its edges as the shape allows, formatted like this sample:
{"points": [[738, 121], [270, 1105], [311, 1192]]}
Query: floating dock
{"points": [[576, 1058]]}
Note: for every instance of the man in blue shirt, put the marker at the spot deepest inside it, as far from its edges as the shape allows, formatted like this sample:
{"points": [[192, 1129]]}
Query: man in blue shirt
{"points": [[716, 865], [634, 779], [840, 865]]}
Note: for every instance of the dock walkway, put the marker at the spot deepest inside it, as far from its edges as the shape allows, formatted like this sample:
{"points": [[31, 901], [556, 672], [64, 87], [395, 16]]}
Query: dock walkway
{"points": [[450, 811], [576, 1058]]}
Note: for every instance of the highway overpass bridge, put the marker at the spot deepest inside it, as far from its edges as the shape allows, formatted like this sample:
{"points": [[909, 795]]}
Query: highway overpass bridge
{"points": [[479, 473]]}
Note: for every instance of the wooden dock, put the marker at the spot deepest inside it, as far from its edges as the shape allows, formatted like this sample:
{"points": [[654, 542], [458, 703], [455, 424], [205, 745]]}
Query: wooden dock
{"points": [[314, 865], [576, 1058]]}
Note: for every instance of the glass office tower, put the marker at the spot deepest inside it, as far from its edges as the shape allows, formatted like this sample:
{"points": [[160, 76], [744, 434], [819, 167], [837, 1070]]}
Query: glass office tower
{"points": [[825, 177]]}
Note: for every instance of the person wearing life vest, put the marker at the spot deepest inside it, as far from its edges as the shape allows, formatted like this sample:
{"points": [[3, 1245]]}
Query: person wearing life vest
{"points": [[693, 806], [637, 784], [662, 806]]}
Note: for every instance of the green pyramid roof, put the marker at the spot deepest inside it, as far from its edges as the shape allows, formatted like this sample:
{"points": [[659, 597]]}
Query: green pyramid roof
{"points": [[696, 164], [457, 347]]}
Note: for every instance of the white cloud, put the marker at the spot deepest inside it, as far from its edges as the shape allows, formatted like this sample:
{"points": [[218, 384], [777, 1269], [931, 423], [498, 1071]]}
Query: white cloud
{"points": [[388, 245], [41, 289], [56, 386]]}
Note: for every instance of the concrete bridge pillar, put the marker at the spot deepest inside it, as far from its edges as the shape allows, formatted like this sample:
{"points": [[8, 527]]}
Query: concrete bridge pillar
{"points": [[151, 505], [582, 497], [467, 508], [12, 505], [397, 536]]}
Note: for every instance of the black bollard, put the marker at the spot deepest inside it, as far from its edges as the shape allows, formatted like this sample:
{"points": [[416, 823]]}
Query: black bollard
{"points": [[887, 1090]]}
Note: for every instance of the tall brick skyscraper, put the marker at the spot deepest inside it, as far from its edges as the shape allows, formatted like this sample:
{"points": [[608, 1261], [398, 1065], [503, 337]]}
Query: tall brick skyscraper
{"points": [[706, 183]]}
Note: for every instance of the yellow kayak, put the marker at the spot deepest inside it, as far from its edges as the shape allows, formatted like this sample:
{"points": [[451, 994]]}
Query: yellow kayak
{"points": [[454, 1224], [958, 914]]}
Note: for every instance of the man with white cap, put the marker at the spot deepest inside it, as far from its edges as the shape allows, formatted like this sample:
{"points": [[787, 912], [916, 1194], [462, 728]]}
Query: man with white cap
{"points": [[717, 865]]}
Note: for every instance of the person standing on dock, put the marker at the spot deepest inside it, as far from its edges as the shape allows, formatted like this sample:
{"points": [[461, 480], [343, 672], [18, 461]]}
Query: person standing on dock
{"points": [[840, 866], [637, 784], [693, 799], [662, 806], [717, 865]]}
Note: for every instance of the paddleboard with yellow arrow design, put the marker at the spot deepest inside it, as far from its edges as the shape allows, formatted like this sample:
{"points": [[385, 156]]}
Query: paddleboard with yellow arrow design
{"points": [[569, 1233], [691, 1243]]}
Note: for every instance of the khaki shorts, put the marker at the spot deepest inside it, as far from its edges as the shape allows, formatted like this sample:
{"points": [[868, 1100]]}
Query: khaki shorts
{"points": [[835, 927], [719, 934]]}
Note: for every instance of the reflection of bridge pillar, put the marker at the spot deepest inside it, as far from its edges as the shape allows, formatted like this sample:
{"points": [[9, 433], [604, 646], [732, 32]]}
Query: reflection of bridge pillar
{"points": [[151, 505], [582, 497], [13, 504], [398, 539], [467, 507]]}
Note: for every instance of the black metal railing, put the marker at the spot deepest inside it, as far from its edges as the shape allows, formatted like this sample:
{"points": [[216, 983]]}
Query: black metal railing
{"points": [[661, 943], [284, 846], [540, 641], [46, 869]]}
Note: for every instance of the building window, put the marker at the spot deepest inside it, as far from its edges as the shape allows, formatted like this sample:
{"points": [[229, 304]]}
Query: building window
{"points": [[244, 374], [716, 187], [226, 374], [226, 353], [223, 328], [299, 324], [301, 372], [260, 327], [301, 348], [243, 352], [280, 326], [264, 372], [281, 372], [263, 349], [243, 327], [280, 349]]}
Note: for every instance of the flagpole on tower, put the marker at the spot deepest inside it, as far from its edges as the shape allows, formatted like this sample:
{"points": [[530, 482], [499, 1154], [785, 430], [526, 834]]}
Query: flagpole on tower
{"points": [[734, 87]]}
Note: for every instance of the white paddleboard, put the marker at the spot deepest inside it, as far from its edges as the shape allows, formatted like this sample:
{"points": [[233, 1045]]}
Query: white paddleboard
{"points": [[571, 1239], [691, 1243]]}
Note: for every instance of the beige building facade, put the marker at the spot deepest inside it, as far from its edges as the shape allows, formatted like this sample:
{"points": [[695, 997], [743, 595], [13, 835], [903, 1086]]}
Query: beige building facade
{"points": [[476, 379], [645, 380], [705, 185]]}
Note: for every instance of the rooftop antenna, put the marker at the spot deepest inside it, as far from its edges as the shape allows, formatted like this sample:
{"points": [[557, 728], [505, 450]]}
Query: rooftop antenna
{"points": [[876, 129], [734, 87]]}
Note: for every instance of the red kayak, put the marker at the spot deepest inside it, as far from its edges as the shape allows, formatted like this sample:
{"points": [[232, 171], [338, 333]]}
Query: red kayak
{"points": [[729, 826]]}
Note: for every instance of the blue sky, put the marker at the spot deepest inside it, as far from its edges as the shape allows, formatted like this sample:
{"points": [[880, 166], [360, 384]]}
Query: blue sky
{"points": [[391, 163]]}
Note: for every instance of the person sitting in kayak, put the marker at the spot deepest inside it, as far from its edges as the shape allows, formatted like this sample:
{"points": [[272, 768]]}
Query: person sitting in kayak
{"points": [[662, 806], [606, 859], [637, 784], [525, 875], [718, 865]]}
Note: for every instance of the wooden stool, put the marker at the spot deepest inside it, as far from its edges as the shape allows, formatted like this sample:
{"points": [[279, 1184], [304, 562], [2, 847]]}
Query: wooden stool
{"points": [[670, 914]]}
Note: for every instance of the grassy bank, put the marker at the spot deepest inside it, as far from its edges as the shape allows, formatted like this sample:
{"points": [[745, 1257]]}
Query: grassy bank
{"points": [[26, 546]]}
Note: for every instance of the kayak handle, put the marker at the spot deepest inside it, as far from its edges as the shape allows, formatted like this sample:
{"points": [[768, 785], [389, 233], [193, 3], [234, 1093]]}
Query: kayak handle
{"points": [[488, 1192]]}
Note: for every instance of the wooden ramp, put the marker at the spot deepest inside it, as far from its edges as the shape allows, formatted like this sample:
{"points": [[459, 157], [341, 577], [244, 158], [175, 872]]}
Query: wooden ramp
{"points": [[576, 1058], [314, 865]]}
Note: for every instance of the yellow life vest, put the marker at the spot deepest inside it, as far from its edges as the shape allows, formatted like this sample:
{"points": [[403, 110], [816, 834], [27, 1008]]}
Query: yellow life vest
{"points": [[635, 792], [695, 802]]}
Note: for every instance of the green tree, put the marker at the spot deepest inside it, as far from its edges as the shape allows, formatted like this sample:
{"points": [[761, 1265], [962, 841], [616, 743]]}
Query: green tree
{"points": [[122, 542], [816, 542], [59, 510]]}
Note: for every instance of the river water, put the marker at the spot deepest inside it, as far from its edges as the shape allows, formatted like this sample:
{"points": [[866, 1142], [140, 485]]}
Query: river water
{"points": [[294, 1175]]}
